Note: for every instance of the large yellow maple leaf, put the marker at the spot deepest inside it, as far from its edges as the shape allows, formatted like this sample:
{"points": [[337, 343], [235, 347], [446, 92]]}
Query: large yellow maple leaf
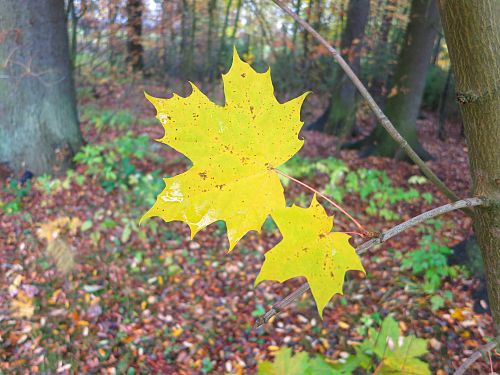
{"points": [[234, 149], [310, 249]]}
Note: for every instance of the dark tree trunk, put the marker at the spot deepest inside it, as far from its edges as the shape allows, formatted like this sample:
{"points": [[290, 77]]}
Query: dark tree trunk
{"points": [[343, 101], [383, 56], [39, 128], [134, 34], [437, 48], [212, 7], [472, 31], [298, 4], [192, 43], [442, 107], [163, 39], [222, 46], [183, 50], [305, 37], [113, 30], [405, 96], [236, 21]]}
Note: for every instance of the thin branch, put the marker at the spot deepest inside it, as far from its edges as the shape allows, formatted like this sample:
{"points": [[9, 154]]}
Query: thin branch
{"points": [[475, 356], [365, 232], [379, 366], [468, 202], [379, 114]]}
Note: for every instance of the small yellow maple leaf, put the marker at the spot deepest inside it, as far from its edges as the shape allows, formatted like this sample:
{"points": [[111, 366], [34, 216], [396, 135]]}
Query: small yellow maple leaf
{"points": [[309, 249], [51, 229], [234, 149], [177, 331], [22, 306]]}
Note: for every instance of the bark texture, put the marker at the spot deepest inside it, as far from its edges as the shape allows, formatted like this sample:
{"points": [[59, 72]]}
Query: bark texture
{"points": [[405, 96], [472, 31], [39, 128], [343, 102], [134, 34]]}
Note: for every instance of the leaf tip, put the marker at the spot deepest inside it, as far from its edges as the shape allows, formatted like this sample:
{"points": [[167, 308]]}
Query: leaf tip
{"points": [[194, 230], [151, 98], [236, 56]]}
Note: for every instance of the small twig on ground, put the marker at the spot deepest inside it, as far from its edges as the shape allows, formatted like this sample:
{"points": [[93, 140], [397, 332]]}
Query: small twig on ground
{"points": [[379, 114], [475, 356], [469, 202]]}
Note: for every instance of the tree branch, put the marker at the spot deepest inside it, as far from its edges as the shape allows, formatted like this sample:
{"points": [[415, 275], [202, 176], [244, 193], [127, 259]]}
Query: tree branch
{"points": [[379, 114], [468, 202], [475, 356]]}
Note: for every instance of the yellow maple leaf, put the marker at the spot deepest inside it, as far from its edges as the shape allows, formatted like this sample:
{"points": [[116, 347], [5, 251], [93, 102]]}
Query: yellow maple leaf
{"points": [[309, 249], [22, 306], [234, 149], [51, 229]]}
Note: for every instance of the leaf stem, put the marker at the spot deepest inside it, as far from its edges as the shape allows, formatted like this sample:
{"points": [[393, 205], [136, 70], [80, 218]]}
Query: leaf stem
{"points": [[355, 233], [363, 230]]}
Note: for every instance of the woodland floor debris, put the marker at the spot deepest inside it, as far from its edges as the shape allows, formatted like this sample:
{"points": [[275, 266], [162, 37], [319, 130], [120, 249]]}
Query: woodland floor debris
{"points": [[171, 305]]}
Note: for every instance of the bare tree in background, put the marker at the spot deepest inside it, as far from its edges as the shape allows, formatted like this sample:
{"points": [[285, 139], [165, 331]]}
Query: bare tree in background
{"points": [[343, 102], [405, 96], [134, 34]]}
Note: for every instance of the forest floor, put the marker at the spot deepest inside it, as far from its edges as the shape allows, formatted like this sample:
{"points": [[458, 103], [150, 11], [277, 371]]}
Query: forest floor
{"points": [[83, 291]]}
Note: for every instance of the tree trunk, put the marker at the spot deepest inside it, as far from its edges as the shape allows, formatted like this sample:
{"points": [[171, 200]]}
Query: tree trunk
{"points": [[163, 39], [39, 128], [382, 56], [236, 21], [405, 97], [134, 34], [444, 98], [298, 4], [192, 43], [318, 16], [343, 102], [74, 28], [183, 50], [212, 7], [305, 37], [472, 31], [113, 30], [222, 46]]}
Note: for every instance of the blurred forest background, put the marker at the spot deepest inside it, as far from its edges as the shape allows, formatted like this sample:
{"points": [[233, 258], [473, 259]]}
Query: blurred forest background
{"points": [[86, 290], [173, 41]]}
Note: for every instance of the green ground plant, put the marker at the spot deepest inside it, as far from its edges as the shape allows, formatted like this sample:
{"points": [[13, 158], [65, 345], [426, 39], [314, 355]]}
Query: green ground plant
{"points": [[112, 162], [99, 118], [373, 186], [430, 260], [18, 192], [385, 351]]}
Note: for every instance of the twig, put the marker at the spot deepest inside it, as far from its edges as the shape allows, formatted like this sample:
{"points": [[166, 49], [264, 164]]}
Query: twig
{"points": [[379, 366], [468, 202], [475, 356], [379, 114]]}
